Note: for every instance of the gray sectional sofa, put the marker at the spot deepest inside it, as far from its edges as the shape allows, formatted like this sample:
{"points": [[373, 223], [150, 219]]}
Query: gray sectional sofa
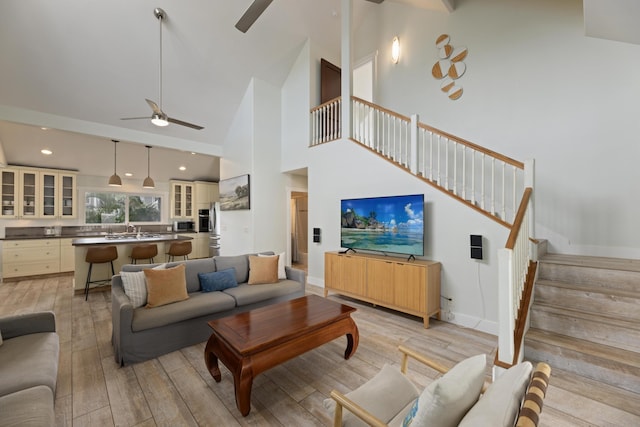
{"points": [[28, 369], [143, 333]]}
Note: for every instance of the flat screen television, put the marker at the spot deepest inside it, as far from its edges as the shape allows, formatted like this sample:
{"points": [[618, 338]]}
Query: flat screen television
{"points": [[393, 224]]}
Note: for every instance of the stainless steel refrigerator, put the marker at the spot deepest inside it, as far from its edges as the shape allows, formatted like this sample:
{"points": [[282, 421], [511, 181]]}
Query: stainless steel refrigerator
{"points": [[214, 229]]}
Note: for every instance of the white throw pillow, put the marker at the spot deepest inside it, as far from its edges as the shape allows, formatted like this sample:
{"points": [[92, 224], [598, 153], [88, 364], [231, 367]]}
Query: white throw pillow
{"points": [[281, 272], [446, 400], [500, 404], [135, 287]]}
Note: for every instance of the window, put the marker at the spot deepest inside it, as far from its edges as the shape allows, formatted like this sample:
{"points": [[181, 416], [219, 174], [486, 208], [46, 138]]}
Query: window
{"points": [[115, 208]]}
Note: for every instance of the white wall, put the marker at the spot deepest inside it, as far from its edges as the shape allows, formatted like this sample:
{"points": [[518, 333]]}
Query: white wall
{"points": [[253, 147], [342, 169], [270, 205], [235, 226], [296, 104], [535, 88]]}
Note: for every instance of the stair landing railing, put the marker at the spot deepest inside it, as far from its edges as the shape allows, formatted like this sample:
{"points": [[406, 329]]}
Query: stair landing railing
{"points": [[495, 185]]}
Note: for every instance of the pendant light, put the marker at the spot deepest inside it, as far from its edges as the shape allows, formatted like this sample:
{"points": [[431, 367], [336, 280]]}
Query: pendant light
{"points": [[114, 180], [148, 182]]}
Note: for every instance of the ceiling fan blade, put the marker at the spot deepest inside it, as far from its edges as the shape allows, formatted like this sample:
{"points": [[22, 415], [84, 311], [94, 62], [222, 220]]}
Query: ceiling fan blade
{"points": [[181, 123], [135, 118], [154, 106], [251, 14]]}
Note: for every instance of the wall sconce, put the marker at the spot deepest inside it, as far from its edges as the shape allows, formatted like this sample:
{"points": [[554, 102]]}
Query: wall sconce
{"points": [[395, 50]]}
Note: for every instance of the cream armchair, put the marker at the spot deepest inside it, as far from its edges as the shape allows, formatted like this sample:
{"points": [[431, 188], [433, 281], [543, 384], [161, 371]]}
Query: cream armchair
{"points": [[459, 398]]}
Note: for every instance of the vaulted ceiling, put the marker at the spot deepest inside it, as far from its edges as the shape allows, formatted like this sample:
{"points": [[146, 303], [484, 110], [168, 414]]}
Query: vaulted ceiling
{"points": [[81, 66]]}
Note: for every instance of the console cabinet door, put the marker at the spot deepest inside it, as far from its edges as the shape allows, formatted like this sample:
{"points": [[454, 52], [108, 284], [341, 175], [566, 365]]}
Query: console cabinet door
{"points": [[353, 270], [332, 271], [344, 273], [409, 289], [380, 280]]}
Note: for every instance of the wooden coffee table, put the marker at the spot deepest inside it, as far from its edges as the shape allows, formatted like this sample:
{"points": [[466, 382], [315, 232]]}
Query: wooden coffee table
{"points": [[251, 342]]}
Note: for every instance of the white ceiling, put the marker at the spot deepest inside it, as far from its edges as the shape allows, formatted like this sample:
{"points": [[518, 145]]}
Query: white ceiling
{"points": [[80, 66]]}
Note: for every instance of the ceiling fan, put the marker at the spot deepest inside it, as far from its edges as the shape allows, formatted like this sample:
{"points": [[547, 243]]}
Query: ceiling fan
{"points": [[159, 118], [255, 10]]}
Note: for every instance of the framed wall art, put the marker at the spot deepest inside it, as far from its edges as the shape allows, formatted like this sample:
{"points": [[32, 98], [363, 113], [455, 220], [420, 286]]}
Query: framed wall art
{"points": [[235, 193]]}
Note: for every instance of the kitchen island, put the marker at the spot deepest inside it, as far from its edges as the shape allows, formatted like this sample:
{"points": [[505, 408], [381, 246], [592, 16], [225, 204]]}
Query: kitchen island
{"points": [[123, 242]]}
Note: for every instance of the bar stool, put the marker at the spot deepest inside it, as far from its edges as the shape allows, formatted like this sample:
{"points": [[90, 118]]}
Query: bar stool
{"points": [[148, 251], [182, 249], [99, 255]]}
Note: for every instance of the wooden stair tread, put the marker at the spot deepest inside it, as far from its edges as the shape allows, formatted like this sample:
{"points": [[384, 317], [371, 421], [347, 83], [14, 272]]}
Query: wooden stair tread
{"points": [[607, 394], [600, 318], [593, 262], [587, 287], [590, 348]]}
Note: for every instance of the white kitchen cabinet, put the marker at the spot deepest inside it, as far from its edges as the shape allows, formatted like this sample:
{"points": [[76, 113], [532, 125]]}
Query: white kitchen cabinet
{"points": [[9, 189], [182, 199], [206, 193], [30, 257], [67, 255], [67, 200], [38, 193], [29, 195]]}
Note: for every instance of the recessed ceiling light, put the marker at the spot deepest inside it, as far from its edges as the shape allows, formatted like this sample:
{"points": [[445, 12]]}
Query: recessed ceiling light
{"points": [[46, 152], [182, 168], [43, 128], [193, 153], [128, 174]]}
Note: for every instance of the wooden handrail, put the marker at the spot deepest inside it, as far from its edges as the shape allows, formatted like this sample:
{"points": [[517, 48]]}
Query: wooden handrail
{"points": [[517, 222], [384, 110], [329, 102], [508, 160]]}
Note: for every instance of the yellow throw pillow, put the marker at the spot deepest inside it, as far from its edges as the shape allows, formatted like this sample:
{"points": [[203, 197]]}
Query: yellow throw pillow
{"points": [[166, 286], [263, 270]]}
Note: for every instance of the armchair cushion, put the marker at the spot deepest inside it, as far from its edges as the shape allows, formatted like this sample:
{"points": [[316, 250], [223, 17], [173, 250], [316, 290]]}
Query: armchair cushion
{"points": [[499, 405], [446, 400], [384, 396]]}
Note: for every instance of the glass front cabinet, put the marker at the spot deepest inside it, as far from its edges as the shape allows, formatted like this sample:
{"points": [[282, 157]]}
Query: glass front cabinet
{"points": [[38, 193], [67, 195], [182, 194], [9, 188]]}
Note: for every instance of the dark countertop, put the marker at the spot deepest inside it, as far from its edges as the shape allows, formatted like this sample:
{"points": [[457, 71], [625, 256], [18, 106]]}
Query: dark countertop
{"points": [[129, 238], [84, 235]]}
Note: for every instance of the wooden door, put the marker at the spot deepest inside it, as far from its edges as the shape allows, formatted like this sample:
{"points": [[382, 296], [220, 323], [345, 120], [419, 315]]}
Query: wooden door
{"points": [[330, 81]]}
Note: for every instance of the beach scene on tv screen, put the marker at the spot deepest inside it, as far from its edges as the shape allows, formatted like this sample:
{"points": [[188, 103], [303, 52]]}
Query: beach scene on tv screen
{"points": [[385, 224]]}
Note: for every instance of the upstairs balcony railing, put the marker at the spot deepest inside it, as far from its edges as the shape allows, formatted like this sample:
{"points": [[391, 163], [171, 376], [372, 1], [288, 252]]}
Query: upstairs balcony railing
{"points": [[493, 184]]}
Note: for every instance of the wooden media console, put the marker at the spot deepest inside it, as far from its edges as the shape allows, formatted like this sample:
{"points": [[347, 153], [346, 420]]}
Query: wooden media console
{"points": [[411, 287]]}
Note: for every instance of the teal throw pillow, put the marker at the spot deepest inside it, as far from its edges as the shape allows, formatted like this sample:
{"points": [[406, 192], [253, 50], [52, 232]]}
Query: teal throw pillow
{"points": [[218, 280]]}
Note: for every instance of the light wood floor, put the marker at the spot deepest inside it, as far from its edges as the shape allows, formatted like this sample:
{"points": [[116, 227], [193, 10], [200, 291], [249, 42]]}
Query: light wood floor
{"points": [[176, 389]]}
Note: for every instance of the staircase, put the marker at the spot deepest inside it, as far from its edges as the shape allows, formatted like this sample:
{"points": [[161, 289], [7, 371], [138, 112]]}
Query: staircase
{"points": [[585, 318]]}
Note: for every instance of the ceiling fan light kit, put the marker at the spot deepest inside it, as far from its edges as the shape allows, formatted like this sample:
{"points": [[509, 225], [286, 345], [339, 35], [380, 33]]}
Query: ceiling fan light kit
{"points": [[159, 118]]}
